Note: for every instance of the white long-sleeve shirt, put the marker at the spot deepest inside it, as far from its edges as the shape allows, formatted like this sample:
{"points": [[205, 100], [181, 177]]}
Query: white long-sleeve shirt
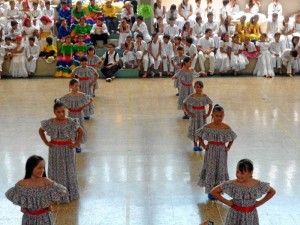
{"points": [[12, 13], [96, 29], [274, 9], [276, 47], [172, 31], [33, 51], [49, 13]]}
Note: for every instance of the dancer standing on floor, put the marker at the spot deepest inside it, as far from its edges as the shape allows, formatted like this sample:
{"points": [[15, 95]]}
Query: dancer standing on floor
{"points": [[87, 76], [76, 101], [185, 80], [214, 169], [194, 106], [36, 193], [95, 62], [65, 134], [244, 191]]}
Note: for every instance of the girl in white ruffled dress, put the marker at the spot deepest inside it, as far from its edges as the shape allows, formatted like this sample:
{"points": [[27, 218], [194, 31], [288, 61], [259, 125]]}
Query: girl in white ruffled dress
{"points": [[238, 60], [224, 54], [264, 66], [17, 65]]}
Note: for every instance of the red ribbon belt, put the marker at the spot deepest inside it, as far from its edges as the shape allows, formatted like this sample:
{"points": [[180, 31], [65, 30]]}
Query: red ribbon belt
{"points": [[243, 209], [37, 212], [61, 143], [84, 78], [198, 107], [216, 143], [187, 85], [75, 110]]}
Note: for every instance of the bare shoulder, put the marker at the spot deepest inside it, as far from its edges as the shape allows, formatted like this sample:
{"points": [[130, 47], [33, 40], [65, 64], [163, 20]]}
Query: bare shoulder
{"points": [[22, 183], [209, 125], [47, 181], [191, 70], [225, 126]]}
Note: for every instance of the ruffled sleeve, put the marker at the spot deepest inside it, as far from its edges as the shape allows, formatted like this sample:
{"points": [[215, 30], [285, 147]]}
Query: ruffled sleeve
{"points": [[65, 100], [228, 188], [46, 126], [208, 100], [14, 195], [57, 191], [74, 124], [262, 189], [219, 135], [188, 100]]}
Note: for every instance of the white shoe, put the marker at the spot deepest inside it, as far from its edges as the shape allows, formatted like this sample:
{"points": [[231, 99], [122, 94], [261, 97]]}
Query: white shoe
{"points": [[113, 77], [160, 74], [108, 79], [152, 74]]}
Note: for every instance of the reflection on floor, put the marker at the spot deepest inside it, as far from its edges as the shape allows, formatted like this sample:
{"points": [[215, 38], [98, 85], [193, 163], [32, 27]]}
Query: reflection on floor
{"points": [[138, 167]]}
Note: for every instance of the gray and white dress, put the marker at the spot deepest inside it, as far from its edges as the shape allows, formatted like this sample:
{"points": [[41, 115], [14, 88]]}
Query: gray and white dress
{"points": [[62, 161], [86, 76], [185, 82], [74, 105], [244, 197], [196, 105], [34, 199], [214, 169], [94, 61]]}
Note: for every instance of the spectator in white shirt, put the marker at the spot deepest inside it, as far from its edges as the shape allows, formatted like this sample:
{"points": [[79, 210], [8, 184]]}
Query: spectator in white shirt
{"points": [[139, 27], [127, 13], [206, 49], [273, 26], [288, 56], [275, 7], [141, 53], [48, 11], [12, 13], [35, 14], [32, 52], [214, 27], [172, 13], [99, 32], [172, 29], [198, 29], [110, 63], [191, 50]]}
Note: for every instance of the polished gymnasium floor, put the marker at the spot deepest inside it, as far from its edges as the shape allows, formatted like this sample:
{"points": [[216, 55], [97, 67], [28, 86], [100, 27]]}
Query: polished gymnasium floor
{"points": [[138, 167]]}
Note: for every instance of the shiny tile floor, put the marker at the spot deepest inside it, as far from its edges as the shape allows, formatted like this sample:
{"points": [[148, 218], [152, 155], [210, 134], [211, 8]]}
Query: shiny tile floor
{"points": [[138, 167]]}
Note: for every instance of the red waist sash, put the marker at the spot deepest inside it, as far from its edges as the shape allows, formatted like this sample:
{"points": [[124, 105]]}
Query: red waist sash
{"points": [[84, 78], [243, 209], [75, 110], [37, 212], [216, 143], [61, 143], [187, 85], [198, 107]]}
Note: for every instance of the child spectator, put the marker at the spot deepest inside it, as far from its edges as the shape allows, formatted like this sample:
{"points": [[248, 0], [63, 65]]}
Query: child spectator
{"points": [[223, 55], [253, 29], [141, 51], [29, 30], [63, 30], [128, 57], [65, 59], [111, 63], [172, 29], [99, 32], [35, 14], [94, 11], [206, 47], [158, 27], [8, 48], [46, 29], [273, 27], [84, 29], [64, 13], [77, 13], [124, 32], [168, 55], [139, 27], [198, 29], [213, 26], [191, 50], [127, 13], [48, 11], [177, 43], [80, 48], [264, 66], [14, 30], [186, 32], [241, 28], [286, 32], [109, 13], [248, 49], [288, 56], [276, 49], [172, 12], [17, 65], [32, 55], [238, 60], [227, 27], [48, 49], [155, 51], [159, 10], [12, 13]]}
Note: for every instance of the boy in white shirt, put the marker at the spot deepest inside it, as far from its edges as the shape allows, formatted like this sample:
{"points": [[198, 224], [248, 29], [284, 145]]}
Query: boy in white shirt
{"points": [[288, 56], [172, 13], [139, 27], [198, 29], [48, 11], [167, 55], [141, 50], [273, 27], [191, 50], [35, 14], [32, 52], [275, 7], [12, 13], [276, 48], [214, 27], [206, 49], [172, 29]]}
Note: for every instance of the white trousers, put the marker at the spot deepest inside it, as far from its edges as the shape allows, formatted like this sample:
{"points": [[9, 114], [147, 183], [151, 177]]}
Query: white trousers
{"points": [[203, 57]]}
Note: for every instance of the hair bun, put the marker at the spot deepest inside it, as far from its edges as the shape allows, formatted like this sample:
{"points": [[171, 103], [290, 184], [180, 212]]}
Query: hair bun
{"points": [[57, 100], [216, 106]]}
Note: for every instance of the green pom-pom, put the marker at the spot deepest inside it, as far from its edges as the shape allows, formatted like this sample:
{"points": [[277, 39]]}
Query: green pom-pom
{"points": [[145, 10]]}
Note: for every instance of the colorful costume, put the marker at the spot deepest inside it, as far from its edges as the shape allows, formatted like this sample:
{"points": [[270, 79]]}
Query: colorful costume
{"points": [[79, 51], [65, 61]]}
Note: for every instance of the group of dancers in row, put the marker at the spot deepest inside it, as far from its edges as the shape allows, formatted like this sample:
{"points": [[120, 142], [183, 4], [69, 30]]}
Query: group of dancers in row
{"points": [[35, 193], [217, 138]]}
